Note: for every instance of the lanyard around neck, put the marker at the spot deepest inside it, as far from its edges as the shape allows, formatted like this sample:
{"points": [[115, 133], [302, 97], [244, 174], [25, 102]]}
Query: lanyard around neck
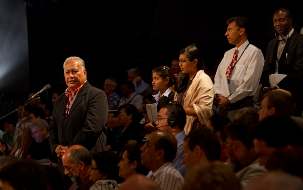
{"points": [[242, 53]]}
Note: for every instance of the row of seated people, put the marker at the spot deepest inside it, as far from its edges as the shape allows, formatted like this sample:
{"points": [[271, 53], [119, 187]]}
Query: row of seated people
{"points": [[165, 155], [252, 149]]}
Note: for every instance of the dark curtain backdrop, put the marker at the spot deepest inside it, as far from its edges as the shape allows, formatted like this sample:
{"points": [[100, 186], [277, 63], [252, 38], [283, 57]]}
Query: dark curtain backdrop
{"points": [[113, 36]]}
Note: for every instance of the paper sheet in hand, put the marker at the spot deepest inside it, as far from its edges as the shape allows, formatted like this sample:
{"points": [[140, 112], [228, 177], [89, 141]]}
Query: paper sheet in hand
{"points": [[274, 79], [151, 110]]}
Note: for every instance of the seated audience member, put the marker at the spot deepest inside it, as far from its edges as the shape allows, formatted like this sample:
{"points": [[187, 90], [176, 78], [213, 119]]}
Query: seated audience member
{"points": [[104, 171], [218, 124], [276, 181], [23, 140], [201, 146], [211, 176], [288, 160], [76, 162], [277, 102], [55, 177], [274, 133], [40, 147], [141, 87], [240, 146], [129, 128], [157, 155], [130, 96], [20, 171], [130, 162], [162, 83], [172, 119], [113, 98], [139, 182], [23, 175]]}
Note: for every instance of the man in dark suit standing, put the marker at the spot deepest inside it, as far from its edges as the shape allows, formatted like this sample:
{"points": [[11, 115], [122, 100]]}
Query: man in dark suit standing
{"points": [[284, 58], [80, 112]]}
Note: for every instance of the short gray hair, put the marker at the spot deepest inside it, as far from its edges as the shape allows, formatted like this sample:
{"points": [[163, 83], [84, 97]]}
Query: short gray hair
{"points": [[78, 59], [78, 153]]}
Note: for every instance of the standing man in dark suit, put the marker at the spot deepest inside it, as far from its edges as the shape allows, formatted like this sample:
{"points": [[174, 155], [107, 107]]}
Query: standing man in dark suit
{"points": [[285, 56], [80, 112]]}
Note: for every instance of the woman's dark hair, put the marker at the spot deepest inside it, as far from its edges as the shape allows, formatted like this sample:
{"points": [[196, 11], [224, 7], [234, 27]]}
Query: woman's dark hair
{"points": [[182, 82], [191, 51], [165, 73]]}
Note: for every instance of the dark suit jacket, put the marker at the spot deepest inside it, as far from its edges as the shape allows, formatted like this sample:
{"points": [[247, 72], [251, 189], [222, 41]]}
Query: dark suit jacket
{"points": [[290, 63], [87, 117]]}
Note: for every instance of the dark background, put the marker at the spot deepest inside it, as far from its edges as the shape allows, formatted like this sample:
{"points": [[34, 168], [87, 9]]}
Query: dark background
{"points": [[112, 36]]}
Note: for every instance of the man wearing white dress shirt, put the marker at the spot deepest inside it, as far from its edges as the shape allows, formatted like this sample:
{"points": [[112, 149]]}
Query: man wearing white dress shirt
{"points": [[238, 74]]}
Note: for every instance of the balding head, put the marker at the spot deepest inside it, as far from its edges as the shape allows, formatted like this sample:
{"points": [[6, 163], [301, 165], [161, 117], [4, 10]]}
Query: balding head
{"points": [[159, 148], [78, 153], [76, 160], [139, 182]]}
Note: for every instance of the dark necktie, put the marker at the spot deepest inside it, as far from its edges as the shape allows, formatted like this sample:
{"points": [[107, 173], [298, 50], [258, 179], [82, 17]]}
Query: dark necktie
{"points": [[232, 64]]}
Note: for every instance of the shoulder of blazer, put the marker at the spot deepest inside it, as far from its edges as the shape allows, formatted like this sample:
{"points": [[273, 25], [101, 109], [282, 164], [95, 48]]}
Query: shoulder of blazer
{"points": [[296, 38], [91, 91], [85, 88]]}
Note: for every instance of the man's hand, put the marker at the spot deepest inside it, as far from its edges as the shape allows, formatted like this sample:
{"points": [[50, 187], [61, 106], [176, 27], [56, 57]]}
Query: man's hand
{"points": [[60, 150], [190, 110], [222, 101]]}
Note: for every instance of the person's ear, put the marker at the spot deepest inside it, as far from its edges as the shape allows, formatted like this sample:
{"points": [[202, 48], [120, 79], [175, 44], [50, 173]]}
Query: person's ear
{"points": [[133, 165], [198, 152], [81, 165], [272, 111], [242, 31], [160, 154], [195, 61]]}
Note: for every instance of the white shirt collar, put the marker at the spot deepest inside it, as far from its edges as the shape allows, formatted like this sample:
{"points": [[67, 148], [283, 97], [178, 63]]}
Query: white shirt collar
{"points": [[281, 37], [166, 94]]}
